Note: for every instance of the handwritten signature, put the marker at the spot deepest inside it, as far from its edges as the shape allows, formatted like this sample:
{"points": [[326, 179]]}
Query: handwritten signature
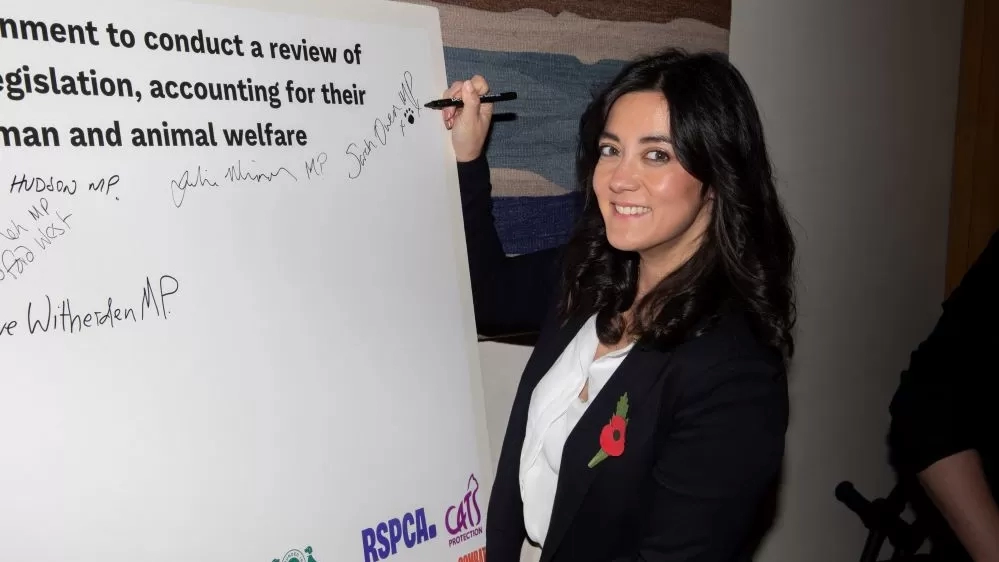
{"points": [[316, 165], [235, 173], [397, 118], [179, 186], [38, 184], [49, 223], [14, 262]]}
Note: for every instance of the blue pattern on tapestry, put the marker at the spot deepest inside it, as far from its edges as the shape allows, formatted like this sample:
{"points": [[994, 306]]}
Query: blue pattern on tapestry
{"points": [[527, 224], [553, 90]]}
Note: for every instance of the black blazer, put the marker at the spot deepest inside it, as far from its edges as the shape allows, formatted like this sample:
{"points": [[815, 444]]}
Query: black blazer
{"points": [[704, 439]]}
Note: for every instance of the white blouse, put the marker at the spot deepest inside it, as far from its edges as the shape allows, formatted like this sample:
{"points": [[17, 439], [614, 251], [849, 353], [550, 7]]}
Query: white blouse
{"points": [[554, 410]]}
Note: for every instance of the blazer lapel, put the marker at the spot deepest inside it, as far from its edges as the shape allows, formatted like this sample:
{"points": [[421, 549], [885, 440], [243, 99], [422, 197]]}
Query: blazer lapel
{"points": [[548, 349], [636, 374]]}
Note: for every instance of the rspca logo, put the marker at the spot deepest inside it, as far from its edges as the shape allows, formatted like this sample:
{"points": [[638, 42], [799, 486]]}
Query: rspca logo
{"points": [[464, 519], [388, 537]]}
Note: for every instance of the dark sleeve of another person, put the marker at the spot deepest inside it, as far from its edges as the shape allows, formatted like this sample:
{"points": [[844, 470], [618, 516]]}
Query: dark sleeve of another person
{"points": [[932, 411], [511, 294]]}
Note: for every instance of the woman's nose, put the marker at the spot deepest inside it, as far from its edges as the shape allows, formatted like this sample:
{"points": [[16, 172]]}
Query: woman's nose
{"points": [[623, 178]]}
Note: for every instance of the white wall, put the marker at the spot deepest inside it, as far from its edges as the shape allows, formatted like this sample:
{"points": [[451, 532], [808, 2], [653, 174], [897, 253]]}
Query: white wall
{"points": [[859, 101]]}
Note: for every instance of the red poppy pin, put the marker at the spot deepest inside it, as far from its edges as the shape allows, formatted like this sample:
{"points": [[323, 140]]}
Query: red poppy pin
{"points": [[612, 435]]}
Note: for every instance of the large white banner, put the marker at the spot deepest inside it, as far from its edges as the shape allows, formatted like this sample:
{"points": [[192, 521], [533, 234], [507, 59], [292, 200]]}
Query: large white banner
{"points": [[234, 312]]}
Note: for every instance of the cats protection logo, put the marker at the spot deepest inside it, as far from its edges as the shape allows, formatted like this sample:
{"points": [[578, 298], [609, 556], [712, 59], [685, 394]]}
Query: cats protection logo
{"points": [[464, 519]]}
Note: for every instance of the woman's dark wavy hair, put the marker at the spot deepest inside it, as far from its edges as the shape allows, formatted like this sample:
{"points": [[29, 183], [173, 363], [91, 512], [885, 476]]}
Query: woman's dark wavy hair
{"points": [[746, 259]]}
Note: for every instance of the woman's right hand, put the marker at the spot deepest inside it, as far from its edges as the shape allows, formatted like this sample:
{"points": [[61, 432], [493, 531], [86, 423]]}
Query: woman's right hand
{"points": [[469, 125]]}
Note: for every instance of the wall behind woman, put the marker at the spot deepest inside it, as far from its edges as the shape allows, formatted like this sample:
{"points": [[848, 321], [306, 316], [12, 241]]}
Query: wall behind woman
{"points": [[859, 101]]}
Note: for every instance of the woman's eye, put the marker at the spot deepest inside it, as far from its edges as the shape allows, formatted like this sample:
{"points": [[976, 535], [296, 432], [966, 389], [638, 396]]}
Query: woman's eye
{"points": [[657, 155], [606, 150]]}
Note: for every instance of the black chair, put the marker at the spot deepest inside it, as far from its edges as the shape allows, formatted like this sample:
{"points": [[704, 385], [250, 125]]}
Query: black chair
{"points": [[882, 518]]}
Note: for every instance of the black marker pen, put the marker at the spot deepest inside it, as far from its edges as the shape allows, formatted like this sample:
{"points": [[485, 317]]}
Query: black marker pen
{"points": [[456, 102]]}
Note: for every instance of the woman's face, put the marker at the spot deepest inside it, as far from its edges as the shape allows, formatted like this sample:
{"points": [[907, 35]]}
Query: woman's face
{"points": [[649, 203]]}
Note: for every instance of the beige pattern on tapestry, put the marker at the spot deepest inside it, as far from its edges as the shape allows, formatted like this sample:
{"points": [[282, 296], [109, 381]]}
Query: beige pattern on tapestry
{"points": [[531, 30]]}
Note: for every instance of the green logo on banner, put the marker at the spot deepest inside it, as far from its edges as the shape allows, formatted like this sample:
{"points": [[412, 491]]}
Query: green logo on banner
{"points": [[295, 555]]}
